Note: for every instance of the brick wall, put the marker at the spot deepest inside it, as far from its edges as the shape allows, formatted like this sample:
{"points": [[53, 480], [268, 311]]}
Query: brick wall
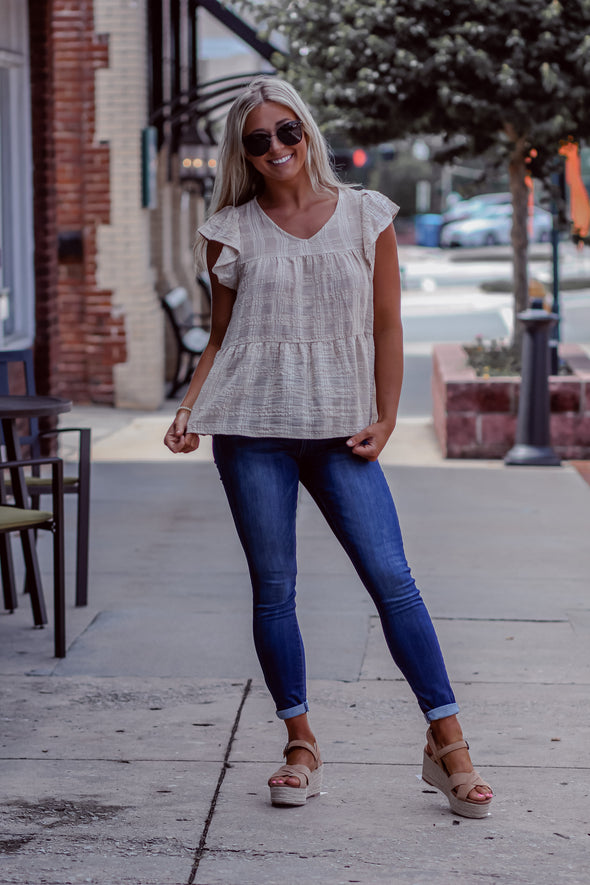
{"points": [[78, 340], [476, 418], [124, 255]]}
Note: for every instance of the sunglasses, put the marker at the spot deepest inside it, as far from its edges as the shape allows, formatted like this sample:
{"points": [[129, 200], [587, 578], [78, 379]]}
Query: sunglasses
{"points": [[258, 143]]}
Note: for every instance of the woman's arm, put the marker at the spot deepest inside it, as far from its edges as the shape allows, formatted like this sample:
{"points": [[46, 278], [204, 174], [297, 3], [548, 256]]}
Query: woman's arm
{"points": [[222, 302], [389, 356]]}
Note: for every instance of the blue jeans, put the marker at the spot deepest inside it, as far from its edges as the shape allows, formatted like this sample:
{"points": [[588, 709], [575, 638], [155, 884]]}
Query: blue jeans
{"points": [[261, 478]]}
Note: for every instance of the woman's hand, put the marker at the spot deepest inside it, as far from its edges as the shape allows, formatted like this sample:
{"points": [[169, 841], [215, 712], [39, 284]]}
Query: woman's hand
{"points": [[177, 439], [370, 442]]}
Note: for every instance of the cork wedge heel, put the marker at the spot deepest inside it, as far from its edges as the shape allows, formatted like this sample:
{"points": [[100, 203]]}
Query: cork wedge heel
{"points": [[310, 781]]}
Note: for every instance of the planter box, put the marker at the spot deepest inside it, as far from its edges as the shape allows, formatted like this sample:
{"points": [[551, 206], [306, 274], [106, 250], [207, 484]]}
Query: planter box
{"points": [[476, 418]]}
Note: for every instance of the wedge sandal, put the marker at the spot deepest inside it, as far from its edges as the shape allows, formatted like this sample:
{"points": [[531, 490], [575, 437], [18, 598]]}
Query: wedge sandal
{"points": [[456, 787], [310, 781]]}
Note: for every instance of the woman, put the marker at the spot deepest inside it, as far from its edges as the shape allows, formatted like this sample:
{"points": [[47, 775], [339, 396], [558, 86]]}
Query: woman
{"points": [[300, 382]]}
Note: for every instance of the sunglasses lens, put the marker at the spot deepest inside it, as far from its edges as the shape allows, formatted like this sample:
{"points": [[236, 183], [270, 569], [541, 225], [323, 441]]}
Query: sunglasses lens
{"points": [[258, 143], [290, 133]]}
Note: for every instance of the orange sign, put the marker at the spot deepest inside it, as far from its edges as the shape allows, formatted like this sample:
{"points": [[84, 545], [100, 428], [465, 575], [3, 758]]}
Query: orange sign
{"points": [[579, 200]]}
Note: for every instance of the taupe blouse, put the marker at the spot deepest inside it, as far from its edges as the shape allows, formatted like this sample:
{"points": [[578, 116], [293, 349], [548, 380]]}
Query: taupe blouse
{"points": [[297, 359]]}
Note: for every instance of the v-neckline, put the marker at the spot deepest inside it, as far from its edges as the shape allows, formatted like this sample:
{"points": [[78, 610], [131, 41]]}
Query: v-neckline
{"points": [[294, 236]]}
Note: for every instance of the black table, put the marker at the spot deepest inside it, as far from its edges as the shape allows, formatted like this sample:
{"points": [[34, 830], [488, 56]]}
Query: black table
{"points": [[11, 409]]}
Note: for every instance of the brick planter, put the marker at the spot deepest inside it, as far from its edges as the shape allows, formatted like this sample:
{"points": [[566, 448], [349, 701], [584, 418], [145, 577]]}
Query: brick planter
{"points": [[476, 418]]}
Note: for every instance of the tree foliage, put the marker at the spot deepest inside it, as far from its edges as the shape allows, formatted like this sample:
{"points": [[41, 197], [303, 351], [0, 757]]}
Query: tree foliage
{"points": [[500, 75], [490, 71]]}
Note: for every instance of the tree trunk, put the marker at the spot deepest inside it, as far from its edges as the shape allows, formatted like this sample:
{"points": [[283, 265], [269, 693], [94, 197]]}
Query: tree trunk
{"points": [[520, 240]]}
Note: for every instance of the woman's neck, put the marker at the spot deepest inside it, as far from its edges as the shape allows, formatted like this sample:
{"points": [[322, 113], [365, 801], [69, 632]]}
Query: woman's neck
{"points": [[295, 194]]}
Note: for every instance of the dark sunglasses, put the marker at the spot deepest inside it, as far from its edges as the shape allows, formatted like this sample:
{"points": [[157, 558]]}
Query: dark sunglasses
{"points": [[258, 143]]}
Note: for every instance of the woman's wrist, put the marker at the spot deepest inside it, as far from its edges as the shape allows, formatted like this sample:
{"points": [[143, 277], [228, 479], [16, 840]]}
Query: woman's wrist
{"points": [[388, 423], [183, 409]]}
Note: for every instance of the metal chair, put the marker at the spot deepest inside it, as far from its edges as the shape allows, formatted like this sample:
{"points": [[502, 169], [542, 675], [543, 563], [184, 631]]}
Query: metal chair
{"points": [[17, 519], [190, 337], [37, 484]]}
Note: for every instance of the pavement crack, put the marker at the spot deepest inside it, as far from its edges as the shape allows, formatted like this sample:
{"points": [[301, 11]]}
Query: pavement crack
{"points": [[365, 650], [224, 767]]}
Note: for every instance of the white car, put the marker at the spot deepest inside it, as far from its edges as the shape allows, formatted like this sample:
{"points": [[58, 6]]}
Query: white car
{"points": [[492, 227], [474, 206]]}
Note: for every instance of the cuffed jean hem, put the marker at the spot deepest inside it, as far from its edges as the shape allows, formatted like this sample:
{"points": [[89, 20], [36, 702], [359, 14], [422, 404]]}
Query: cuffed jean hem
{"points": [[293, 711], [441, 712]]}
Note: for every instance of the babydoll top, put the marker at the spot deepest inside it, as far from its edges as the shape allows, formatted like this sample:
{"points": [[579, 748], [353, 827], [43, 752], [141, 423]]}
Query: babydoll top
{"points": [[297, 359]]}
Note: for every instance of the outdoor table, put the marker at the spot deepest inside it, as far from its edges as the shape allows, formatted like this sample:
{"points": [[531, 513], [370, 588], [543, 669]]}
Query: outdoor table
{"points": [[11, 409]]}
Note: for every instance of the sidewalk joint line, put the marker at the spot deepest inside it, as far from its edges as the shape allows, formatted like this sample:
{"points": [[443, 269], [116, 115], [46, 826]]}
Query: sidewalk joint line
{"points": [[502, 620], [201, 847]]}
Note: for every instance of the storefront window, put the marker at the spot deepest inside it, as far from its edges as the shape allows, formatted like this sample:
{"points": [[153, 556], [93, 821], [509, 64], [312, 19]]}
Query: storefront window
{"points": [[17, 296], [6, 246]]}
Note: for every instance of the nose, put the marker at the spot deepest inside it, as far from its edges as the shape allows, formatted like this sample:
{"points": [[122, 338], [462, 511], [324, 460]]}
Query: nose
{"points": [[274, 138]]}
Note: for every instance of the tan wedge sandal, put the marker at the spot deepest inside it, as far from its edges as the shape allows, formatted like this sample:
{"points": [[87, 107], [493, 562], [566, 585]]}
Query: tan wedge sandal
{"points": [[456, 787], [310, 781]]}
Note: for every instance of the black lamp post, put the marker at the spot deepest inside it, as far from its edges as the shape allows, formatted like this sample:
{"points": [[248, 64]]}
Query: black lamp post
{"points": [[532, 445]]}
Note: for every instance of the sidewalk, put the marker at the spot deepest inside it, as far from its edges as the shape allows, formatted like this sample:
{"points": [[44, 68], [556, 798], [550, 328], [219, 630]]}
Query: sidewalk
{"points": [[142, 757], [129, 436]]}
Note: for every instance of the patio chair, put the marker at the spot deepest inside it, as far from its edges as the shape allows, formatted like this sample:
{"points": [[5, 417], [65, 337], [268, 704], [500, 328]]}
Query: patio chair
{"points": [[37, 484], [17, 519], [190, 336]]}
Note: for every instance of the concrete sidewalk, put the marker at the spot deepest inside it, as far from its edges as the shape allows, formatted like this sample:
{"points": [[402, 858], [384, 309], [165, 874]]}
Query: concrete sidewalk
{"points": [[142, 758], [129, 436]]}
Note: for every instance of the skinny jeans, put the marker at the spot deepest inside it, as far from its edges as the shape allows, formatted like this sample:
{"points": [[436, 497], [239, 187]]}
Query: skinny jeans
{"points": [[261, 479]]}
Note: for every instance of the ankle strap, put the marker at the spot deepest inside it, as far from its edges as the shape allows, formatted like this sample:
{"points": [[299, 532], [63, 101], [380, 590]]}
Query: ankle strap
{"points": [[444, 751], [458, 745], [312, 748]]}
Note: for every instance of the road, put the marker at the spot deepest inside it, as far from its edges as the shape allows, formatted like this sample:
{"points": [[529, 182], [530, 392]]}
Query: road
{"points": [[442, 301]]}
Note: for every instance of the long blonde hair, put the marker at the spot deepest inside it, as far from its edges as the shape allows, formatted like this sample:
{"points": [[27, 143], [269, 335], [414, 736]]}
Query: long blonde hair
{"points": [[237, 181]]}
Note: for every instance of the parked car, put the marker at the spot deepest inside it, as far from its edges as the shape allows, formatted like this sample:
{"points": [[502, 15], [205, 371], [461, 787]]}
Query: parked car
{"points": [[492, 227], [474, 206]]}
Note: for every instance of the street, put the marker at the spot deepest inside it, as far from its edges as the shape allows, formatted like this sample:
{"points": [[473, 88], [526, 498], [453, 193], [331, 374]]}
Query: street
{"points": [[442, 301]]}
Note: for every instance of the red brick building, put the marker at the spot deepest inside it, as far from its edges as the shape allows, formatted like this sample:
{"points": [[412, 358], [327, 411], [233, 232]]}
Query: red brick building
{"points": [[77, 340], [84, 254]]}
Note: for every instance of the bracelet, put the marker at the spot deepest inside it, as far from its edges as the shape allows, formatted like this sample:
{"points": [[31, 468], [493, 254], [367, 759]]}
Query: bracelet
{"points": [[183, 409]]}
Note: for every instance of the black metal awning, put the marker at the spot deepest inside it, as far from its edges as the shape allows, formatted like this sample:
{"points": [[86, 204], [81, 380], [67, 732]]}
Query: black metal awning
{"points": [[177, 99]]}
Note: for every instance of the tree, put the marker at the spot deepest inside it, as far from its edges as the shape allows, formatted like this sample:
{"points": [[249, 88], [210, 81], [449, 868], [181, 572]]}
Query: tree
{"points": [[497, 76]]}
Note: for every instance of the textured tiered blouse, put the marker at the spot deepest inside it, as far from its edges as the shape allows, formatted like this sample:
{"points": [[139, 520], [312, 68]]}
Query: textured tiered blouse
{"points": [[297, 359]]}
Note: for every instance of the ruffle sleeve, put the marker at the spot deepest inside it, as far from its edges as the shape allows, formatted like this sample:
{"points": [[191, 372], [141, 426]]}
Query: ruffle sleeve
{"points": [[223, 227], [377, 212]]}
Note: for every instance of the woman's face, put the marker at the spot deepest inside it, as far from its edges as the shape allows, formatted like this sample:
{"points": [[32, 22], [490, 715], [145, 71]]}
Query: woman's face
{"points": [[281, 162]]}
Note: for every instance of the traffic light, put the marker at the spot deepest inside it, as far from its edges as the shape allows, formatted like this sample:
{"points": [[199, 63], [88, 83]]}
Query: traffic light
{"points": [[351, 159], [360, 158]]}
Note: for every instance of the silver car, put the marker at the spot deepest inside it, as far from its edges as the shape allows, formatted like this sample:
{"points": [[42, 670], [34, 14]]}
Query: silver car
{"points": [[492, 227]]}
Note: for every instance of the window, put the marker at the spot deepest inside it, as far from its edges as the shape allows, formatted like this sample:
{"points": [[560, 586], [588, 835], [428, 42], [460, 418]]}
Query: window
{"points": [[6, 245], [16, 212]]}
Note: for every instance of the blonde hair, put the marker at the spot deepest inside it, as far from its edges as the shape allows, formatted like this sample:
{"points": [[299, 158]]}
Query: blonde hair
{"points": [[237, 181]]}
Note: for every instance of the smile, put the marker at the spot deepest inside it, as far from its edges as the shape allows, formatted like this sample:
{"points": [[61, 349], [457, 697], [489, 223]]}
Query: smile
{"points": [[281, 160]]}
